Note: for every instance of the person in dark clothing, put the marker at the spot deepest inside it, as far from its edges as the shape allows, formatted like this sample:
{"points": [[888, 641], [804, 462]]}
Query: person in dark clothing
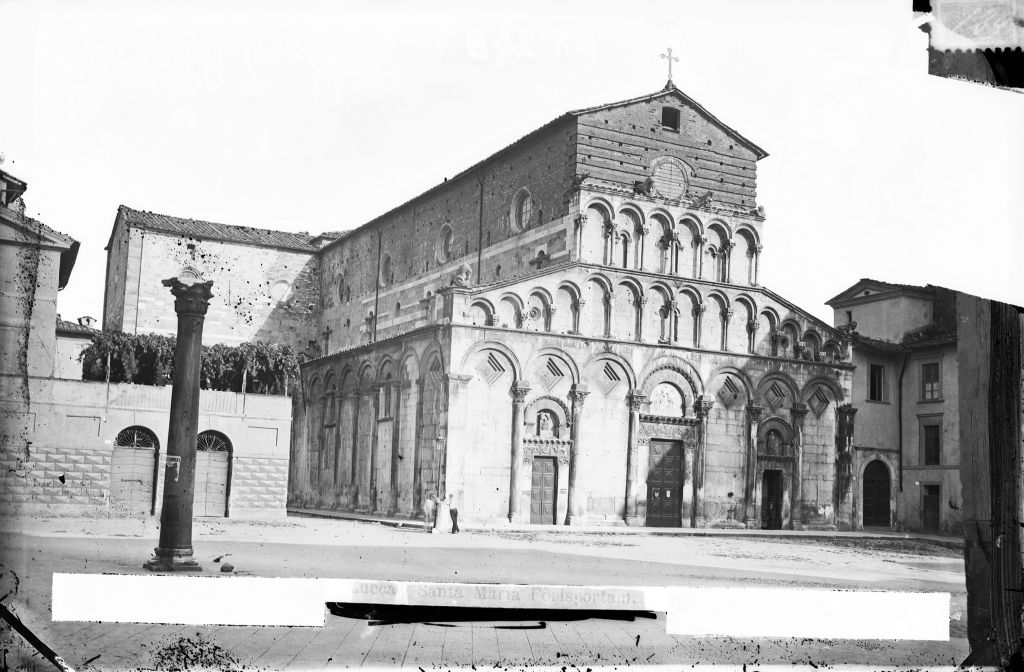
{"points": [[455, 514]]}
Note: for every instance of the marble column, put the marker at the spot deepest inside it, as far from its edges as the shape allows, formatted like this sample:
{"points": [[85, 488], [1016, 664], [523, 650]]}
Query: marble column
{"points": [[357, 398], [757, 263], [520, 389], [702, 407], [749, 486], [726, 319], [798, 413], [417, 477], [698, 319], [577, 396], [174, 552], [397, 391], [373, 448], [641, 307], [580, 222], [635, 400]]}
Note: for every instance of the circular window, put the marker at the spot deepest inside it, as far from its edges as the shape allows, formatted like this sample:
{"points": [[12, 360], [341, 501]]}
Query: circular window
{"points": [[387, 273], [444, 248], [522, 210], [669, 178], [279, 291]]}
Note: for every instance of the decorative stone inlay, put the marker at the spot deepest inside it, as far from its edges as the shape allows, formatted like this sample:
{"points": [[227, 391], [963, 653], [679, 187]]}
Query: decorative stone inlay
{"points": [[541, 447], [674, 429]]}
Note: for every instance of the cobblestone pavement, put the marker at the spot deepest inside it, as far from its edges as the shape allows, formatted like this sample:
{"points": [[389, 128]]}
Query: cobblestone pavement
{"points": [[346, 549]]}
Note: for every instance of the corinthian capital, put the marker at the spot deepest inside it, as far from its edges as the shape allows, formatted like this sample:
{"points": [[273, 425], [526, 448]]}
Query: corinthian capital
{"points": [[191, 299]]}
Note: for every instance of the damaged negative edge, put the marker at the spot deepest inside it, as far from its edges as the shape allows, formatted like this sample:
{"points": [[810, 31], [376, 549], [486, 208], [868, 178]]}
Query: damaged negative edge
{"points": [[977, 40]]}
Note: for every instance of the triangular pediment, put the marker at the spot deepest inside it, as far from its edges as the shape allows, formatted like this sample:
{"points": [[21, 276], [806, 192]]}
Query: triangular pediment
{"points": [[671, 92], [17, 228], [867, 287]]}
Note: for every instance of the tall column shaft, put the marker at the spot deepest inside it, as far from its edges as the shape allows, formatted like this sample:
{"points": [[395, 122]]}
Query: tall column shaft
{"points": [[577, 395], [174, 552], [635, 400], [798, 412], [417, 477], [750, 473], [702, 406], [519, 391]]}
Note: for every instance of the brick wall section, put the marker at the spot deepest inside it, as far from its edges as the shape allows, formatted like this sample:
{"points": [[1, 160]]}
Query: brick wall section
{"points": [[544, 165], [617, 145], [246, 306]]}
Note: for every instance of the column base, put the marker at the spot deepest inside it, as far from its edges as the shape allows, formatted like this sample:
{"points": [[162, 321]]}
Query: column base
{"points": [[632, 521], [172, 561]]}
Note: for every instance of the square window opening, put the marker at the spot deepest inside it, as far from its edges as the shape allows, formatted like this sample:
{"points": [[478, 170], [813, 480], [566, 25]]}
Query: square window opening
{"points": [[670, 118]]}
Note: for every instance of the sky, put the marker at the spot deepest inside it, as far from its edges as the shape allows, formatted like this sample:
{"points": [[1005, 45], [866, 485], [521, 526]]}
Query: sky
{"points": [[316, 116]]}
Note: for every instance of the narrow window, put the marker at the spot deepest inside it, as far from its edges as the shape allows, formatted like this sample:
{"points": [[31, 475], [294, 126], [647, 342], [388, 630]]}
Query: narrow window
{"points": [[876, 383], [931, 387], [670, 118], [931, 437]]}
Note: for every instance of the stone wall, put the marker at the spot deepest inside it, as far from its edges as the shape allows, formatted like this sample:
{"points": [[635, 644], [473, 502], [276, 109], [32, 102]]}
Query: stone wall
{"points": [[259, 293], [69, 429], [618, 145]]}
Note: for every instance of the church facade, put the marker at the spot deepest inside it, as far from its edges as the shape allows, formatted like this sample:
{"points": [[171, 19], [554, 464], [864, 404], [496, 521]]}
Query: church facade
{"points": [[572, 331]]}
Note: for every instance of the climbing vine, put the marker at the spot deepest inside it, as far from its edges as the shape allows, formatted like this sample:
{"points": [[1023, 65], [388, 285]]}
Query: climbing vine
{"points": [[148, 359]]}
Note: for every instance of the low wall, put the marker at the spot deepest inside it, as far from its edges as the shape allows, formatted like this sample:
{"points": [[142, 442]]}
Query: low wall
{"points": [[57, 446]]}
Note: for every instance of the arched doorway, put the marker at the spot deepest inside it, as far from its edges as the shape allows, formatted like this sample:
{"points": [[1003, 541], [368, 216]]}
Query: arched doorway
{"points": [[876, 495], [133, 471], [213, 464]]}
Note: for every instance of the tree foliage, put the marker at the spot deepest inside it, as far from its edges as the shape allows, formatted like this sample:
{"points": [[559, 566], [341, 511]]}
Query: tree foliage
{"points": [[148, 359]]}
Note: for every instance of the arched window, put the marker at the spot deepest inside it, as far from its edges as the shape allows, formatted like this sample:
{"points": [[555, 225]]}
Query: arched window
{"points": [[445, 244], [522, 210], [385, 398], [136, 437], [667, 401], [211, 440], [387, 273]]}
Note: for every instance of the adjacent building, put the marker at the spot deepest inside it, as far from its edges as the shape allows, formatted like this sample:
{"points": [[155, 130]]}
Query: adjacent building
{"points": [[905, 392], [265, 282], [68, 446]]}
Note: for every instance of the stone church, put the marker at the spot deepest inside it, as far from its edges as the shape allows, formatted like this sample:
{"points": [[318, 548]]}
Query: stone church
{"points": [[572, 331]]}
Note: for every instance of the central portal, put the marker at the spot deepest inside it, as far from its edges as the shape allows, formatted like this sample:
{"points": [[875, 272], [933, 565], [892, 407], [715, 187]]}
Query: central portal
{"points": [[665, 484], [543, 486], [771, 500]]}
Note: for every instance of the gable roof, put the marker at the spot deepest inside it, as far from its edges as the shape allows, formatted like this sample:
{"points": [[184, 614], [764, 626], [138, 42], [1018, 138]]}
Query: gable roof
{"points": [[670, 89], [878, 287], [204, 230], [38, 234]]}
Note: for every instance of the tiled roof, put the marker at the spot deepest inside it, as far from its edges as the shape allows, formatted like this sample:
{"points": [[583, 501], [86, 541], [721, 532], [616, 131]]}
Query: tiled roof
{"points": [[196, 228], [69, 327]]}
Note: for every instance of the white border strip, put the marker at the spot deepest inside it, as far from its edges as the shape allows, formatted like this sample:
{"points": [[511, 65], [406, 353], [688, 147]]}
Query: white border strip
{"points": [[710, 611]]}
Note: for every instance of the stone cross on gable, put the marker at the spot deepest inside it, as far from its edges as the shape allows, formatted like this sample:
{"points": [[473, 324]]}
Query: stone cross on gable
{"points": [[670, 58]]}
